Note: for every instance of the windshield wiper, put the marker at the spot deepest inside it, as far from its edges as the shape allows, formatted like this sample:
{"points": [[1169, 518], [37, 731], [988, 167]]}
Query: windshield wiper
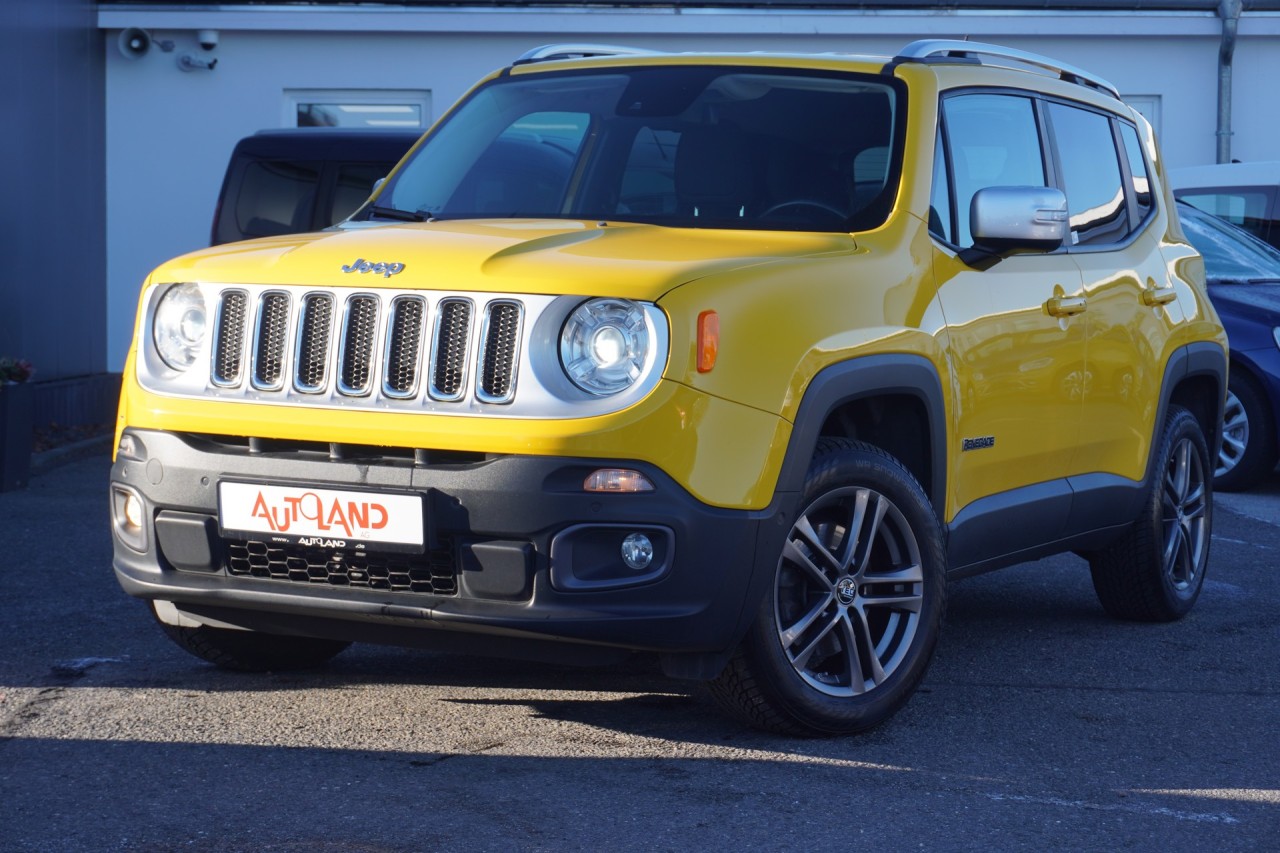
{"points": [[397, 214], [1268, 280]]}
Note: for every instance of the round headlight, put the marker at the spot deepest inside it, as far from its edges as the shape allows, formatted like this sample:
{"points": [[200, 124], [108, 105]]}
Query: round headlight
{"points": [[180, 325], [605, 345]]}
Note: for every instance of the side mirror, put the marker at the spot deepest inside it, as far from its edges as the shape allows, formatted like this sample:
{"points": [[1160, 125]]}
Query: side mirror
{"points": [[1004, 220]]}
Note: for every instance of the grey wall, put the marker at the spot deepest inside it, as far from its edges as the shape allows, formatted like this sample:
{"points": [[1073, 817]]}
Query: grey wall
{"points": [[52, 215]]}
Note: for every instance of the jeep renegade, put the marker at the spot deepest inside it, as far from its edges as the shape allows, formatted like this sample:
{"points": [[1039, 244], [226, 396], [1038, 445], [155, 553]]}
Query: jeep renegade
{"points": [[735, 359]]}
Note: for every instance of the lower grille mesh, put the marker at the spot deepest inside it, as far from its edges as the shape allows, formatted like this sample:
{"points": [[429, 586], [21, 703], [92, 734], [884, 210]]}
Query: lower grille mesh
{"points": [[430, 573]]}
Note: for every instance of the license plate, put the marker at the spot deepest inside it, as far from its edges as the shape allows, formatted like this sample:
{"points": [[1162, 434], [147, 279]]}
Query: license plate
{"points": [[324, 518]]}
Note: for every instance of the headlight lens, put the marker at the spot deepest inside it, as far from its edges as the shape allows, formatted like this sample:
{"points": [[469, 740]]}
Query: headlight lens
{"points": [[605, 345], [180, 324]]}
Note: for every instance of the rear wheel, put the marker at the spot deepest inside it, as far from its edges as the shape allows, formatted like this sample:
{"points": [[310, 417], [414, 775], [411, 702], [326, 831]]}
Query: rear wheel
{"points": [[1155, 571], [1248, 437], [848, 627], [251, 651]]}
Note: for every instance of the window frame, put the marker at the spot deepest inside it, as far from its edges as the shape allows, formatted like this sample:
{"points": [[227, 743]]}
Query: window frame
{"points": [[1052, 163]]}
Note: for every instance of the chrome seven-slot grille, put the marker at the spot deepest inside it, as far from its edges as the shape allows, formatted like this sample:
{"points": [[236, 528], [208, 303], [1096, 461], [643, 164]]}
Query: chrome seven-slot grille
{"points": [[405, 346]]}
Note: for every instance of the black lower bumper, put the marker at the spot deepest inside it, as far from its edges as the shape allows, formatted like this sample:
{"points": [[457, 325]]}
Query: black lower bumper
{"points": [[518, 557]]}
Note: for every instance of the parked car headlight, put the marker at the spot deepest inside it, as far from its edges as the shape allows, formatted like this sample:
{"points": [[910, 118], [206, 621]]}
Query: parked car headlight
{"points": [[179, 326], [605, 345]]}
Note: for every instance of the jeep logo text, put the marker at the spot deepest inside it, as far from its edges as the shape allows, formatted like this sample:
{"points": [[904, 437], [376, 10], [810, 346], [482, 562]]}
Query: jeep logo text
{"points": [[361, 265]]}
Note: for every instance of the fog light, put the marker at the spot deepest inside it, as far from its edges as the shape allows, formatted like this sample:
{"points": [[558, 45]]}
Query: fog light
{"points": [[133, 511], [617, 480], [637, 551], [128, 512]]}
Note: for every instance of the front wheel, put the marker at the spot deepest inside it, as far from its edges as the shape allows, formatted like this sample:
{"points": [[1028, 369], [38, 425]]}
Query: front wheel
{"points": [[1154, 572], [848, 627]]}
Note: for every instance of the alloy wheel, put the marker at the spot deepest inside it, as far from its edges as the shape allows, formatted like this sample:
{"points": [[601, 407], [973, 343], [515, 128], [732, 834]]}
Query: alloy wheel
{"points": [[1184, 506], [850, 590], [1235, 434]]}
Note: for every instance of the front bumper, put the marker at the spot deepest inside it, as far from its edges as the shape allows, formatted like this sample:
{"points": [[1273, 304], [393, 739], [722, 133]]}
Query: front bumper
{"points": [[516, 551]]}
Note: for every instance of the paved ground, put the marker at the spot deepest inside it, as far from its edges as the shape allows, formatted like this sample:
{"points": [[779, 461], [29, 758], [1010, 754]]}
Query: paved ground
{"points": [[1042, 725]]}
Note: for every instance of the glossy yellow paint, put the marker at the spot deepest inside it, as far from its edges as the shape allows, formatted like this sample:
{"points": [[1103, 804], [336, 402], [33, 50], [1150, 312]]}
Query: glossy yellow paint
{"points": [[699, 440], [790, 305]]}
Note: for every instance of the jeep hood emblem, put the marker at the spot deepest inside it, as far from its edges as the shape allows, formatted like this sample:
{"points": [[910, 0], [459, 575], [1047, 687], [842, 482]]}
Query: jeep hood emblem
{"points": [[362, 266]]}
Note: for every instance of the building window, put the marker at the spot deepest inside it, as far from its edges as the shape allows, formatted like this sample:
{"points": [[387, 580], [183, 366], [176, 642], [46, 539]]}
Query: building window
{"points": [[384, 108]]}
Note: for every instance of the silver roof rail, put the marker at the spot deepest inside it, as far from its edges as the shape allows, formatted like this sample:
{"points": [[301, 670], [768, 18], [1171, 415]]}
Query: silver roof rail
{"points": [[549, 52], [926, 50]]}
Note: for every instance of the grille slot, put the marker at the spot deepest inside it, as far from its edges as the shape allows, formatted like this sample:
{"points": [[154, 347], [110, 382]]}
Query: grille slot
{"points": [[404, 347], [311, 362], [432, 573], [500, 344], [228, 346], [452, 342], [359, 332], [269, 341]]}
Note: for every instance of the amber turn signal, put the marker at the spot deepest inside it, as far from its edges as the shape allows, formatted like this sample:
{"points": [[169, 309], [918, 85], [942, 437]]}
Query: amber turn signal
{"points": [[708, 340]]}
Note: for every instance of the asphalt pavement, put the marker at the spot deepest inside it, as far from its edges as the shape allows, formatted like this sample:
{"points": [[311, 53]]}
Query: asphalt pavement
{"points": [[1042, 725]]}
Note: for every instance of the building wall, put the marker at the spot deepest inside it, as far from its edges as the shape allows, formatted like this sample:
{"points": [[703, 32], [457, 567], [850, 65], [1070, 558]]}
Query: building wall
{"points": [[169, 132], [53, 293]]}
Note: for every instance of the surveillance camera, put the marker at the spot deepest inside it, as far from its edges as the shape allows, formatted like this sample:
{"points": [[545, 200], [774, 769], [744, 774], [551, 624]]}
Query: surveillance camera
{"points": [[208, 38]]}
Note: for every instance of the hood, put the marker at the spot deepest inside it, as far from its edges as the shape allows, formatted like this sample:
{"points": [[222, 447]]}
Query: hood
{"points": [[509, 256], [1259, 300]]}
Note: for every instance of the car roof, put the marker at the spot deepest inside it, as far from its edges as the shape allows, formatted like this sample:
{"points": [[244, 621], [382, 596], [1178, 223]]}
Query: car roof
{"points": [[329, 143], [1262, 173]]}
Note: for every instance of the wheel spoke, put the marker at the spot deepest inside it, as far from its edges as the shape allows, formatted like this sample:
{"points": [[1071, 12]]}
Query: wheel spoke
{"points": [[867, 540], [900, 601], [815, 543], [801, 660], [791, 551], [853, 661], [853, 535], [1180, 475], [864, 643], [791, 634], [913, 573]]}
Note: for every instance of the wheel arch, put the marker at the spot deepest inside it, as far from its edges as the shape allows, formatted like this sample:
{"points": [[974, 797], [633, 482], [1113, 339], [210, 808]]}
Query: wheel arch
{"points": [[893, 401], [1195, 377]]}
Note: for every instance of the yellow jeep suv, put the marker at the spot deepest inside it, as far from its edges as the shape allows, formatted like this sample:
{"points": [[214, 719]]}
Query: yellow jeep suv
{"points": [[735, 359]]}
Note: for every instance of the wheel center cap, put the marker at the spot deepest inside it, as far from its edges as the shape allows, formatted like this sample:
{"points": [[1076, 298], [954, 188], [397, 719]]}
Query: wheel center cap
{"points": [[846, 590]]}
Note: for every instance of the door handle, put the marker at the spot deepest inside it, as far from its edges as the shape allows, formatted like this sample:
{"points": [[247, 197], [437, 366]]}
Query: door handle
{"points": [[1065, 306], [1159, 295]]}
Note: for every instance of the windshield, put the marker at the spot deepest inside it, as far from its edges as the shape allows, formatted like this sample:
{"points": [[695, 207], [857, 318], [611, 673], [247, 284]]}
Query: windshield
{"points": [[1231, 255], [698, 146]]}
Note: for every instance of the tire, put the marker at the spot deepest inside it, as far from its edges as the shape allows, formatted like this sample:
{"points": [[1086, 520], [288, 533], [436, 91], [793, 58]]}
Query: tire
{"points": [[251, 651], [1154, 572], [846, 631], [1248, 451]]}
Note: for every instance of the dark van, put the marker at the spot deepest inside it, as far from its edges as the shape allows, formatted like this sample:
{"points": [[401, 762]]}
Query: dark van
{"points": [[302, 179]]}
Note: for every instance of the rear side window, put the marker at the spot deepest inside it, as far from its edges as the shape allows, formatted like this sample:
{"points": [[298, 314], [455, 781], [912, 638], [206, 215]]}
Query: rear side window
{"points": [[994, 142], [1090, 174], [1142, 200], [276, 197], [353, 184], [1246, 208]]}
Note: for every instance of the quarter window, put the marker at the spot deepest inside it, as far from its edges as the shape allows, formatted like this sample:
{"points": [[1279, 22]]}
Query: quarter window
{"points": [[1138, 172], [1090, 174]]}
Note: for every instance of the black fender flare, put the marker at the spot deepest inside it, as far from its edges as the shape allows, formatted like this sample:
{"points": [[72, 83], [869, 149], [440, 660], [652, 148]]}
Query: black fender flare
{"points": [[858, 378]]}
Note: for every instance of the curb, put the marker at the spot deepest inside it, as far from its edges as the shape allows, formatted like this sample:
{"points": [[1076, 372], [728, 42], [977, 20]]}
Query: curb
{"points": [[47, 460]]}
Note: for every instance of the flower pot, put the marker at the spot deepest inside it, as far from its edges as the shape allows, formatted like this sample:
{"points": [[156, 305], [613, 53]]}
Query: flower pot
{"points": [[15, 436]]}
